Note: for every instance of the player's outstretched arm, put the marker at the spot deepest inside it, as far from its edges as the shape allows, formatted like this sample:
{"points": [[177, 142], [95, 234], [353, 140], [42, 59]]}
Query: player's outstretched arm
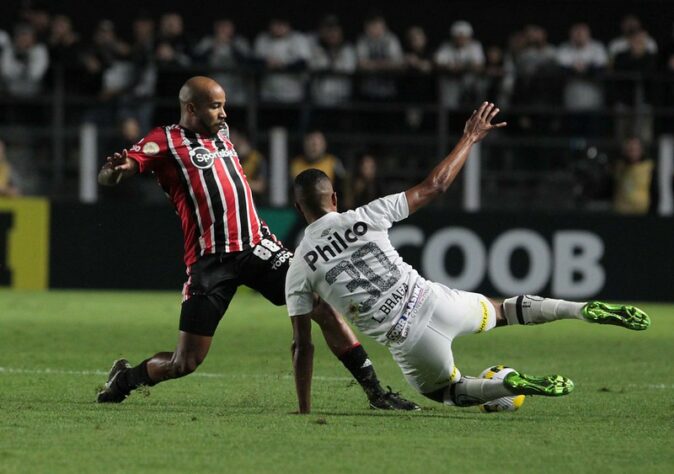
{"points": [[116, 167], [477, 127], [303, 360]]}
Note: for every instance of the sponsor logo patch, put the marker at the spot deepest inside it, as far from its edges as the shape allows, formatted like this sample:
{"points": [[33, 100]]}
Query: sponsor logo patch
{"points": [[202, 158], [150, 148]]}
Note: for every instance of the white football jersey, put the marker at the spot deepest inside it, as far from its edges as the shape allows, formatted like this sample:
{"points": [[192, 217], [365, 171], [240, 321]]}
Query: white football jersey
{"points": [[347, 259]]}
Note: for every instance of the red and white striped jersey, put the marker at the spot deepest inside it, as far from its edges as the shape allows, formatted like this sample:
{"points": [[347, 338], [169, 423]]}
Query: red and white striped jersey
{"points": [[204, 180]]}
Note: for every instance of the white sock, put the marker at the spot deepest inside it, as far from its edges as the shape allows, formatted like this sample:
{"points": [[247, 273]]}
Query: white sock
{"points": [[469, 391], [527, 309]]}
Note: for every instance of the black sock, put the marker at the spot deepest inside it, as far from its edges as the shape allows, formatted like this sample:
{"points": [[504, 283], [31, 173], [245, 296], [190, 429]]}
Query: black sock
{"points": [[357, 362], [134, 377]]}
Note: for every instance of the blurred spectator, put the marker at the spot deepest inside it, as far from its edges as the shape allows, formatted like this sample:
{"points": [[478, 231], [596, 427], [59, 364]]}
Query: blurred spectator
{"points": [[494, 76], [516, 43], [172, 33], [38, 18], [330, 53], [378, 50], [633, 94], [143, 39], [130, 131], [463, 58], [285, 54], [172, 56], [142, 86], [106, 61], [5, 43], [24, 63], [418, 56], [581, 57], [633, 178], [316, 156], [637, 59], [7, 185], [365, 185], [170, 64], [64, 50], [142, 56], [629, 25], [418, 86], [534, 67], [254, 165], [224, 49]]}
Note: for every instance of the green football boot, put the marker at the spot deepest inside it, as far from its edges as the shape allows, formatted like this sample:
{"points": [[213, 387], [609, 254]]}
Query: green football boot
{"points": [[547, 386], [629, 317]]}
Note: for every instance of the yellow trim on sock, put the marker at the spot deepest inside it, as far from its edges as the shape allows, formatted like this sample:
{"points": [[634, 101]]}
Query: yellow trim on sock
{"points": [[485, 317]]}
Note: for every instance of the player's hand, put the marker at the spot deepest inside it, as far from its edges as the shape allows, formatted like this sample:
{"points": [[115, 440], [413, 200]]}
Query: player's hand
{"points": [[120, 162], [480, 123]]}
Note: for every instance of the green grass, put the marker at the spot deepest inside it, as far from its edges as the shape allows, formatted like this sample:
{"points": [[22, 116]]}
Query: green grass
{"points": [[56, 346]]}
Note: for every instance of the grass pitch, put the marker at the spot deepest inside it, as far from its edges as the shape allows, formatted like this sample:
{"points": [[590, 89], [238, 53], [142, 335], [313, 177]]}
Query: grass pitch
{"points": [[234, 414]]}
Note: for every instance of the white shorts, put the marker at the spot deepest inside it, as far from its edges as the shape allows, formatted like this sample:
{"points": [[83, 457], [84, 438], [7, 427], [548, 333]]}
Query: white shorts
{"points": [[426, 358]]}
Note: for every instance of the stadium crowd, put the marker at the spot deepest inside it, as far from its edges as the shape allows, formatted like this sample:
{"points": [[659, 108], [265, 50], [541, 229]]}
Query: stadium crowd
{"points": [[521, 72], [581, 75]]}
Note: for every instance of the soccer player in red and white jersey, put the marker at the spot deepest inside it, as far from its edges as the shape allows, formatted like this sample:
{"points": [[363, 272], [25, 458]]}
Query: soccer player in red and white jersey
{"points": [[226, 245]]}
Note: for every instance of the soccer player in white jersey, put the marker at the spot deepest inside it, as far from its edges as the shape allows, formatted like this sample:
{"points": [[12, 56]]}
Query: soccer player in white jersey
{"points": [[347, 259]]}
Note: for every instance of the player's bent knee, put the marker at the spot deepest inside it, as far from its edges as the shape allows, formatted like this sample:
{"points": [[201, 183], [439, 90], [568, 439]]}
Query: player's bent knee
{"points": [[199, 316]]}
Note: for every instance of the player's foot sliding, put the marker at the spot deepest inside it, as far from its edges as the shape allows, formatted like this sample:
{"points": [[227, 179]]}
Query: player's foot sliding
{"points": [[626, 316], [470, 391], [357, 362], [122, 380], [527, 309], [547, 386], [111, 392], [391, 400]]}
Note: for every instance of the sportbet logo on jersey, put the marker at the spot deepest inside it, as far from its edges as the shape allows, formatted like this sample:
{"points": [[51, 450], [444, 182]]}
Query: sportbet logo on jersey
{"points": [[203, 159]]}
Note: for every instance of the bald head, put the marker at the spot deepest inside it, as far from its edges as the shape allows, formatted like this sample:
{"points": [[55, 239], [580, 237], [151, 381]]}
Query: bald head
{"points": [[314, 194], [202, 105], [199, 89]]}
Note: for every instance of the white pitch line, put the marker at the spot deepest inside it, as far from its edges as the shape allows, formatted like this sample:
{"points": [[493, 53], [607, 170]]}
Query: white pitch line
{"points": [[49, 371]]}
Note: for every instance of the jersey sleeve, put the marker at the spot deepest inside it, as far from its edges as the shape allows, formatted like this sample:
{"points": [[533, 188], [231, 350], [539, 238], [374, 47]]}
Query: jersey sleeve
{"points": [[299, 296], [383, 212], [149, 149]]}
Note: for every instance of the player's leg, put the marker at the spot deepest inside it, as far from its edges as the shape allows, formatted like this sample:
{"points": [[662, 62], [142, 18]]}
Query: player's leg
{"points": [[428, 363], [207, 295], [198, 320], [471, 391], [265, 271], [345, 346], [528, 309]]}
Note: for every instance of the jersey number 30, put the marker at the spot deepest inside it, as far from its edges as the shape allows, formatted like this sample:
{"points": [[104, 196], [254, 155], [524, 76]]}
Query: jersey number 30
{"points": [[363, 276]]}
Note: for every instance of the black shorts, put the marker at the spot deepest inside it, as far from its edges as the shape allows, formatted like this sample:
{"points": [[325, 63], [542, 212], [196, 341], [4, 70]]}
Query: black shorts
{"points": [[213, 281]]}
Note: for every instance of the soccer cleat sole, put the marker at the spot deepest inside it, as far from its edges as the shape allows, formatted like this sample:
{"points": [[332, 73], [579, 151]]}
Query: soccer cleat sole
{"points": [[109, 394], [547, 386], [625, 316]]}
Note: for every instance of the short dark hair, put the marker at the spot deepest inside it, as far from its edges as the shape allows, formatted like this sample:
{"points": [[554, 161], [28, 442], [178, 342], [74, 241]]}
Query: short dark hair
{"points": [[307, 189]]}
